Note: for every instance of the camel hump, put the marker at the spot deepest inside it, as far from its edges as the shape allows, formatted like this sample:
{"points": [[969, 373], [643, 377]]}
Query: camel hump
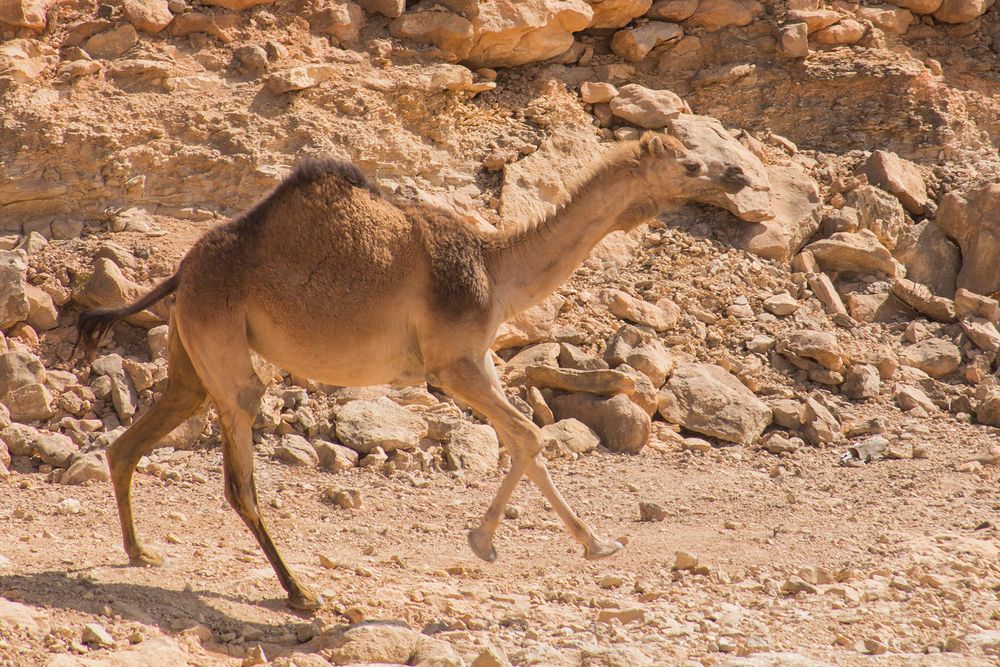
{"points": [[315, 171]]}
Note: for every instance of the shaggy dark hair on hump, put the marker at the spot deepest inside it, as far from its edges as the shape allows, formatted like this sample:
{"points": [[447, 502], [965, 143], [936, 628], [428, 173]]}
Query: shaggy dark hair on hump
{"points": [[313, 170]]}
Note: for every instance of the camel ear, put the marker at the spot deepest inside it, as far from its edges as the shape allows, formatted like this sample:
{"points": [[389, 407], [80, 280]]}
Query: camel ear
{"points": [[661, 146]]}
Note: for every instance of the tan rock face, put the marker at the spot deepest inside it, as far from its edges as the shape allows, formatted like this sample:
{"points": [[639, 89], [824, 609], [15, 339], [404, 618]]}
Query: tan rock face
{"points": [[617, 13], [707, 399], [796, 203], [971, 219], [961, 11], [643, 107], [25, 59], [718, 14], [14, 303]]}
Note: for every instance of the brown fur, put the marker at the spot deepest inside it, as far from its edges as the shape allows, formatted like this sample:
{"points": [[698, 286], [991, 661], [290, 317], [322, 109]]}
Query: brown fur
{"points": [[331, 280]]}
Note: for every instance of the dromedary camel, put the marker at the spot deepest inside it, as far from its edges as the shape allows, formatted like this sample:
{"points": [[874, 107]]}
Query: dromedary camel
{"points": [[331, 280]]}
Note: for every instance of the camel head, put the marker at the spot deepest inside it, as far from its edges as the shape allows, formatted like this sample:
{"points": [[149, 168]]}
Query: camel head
{"points": [[675, 172]]}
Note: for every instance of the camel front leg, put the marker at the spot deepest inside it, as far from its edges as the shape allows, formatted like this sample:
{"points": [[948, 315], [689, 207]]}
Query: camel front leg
{"points": [[475, 382]]}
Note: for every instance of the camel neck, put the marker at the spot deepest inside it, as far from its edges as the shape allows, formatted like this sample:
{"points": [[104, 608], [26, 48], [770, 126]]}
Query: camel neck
{"points": [[529, 264]]}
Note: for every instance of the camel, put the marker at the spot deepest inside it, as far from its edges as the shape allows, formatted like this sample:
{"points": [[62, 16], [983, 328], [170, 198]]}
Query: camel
{"points": [[329, 279]]}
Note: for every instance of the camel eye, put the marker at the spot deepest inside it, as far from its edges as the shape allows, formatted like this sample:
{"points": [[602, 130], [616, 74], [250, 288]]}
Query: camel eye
{"points": [[691, 166]]}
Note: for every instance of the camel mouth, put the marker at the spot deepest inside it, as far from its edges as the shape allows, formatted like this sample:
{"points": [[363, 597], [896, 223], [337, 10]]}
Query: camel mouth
{"points": [[735, 180]]}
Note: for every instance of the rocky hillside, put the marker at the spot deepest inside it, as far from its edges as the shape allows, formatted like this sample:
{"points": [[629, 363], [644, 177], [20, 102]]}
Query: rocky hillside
{"points": [[784, 400]]}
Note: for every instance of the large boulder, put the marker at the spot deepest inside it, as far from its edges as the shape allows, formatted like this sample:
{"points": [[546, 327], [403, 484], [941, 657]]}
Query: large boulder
{"points": [[706, 136], [365, 425], [961, 11], [24, 60], [510, 33], [708, 399], [880, 212], [634, 44], [26, 13], [715, 15], [109, 288], [934, 356], [148, 15], [472, 447], [930, 258], [972, 219], [858, 252], [617, 13], [796, 204], [647, 108]]}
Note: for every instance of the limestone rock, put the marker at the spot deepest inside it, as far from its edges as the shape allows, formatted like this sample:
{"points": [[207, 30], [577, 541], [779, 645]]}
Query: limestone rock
{"points": [[14, 303], [593, 92], [934, 356], [650, 109], [544, 354], [846, 32], [299, 78], [17, 369], [109, 288], [919, 298], [473, 447], [970, 303], [861, 381], [988, 408], [365, 425], [707, 399], [880, 212], [815, 19], [55, 449], [599, 382], [893, 20], [449, 32], [660, 316], [961, 11], [642, 351], [335, 457], [148, 15], [187, 435], [819, 346], [20, 617], [388, 8], [296, 451], [796, 204], [793, 40], [634, 44], [24, 60], [819, 425], [909, 397], [706, 136], [617, 13], [622, 425], [918, 6], [112, 43], [899, 177], [672, 10], [510, 33], [972, 219], [533, 325], [42, 313], [341, 20], [853, 251], [31, 402], [26, 13], [569, 435], [983, 333], [715, 15], [90, 467], [930, 258]]}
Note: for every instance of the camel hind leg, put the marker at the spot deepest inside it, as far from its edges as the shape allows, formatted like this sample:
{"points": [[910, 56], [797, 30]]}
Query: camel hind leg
{"points": [[221, 354], [183, 398]]}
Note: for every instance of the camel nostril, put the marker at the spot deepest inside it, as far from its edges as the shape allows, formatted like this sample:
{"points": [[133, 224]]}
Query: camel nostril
{"points": [[735, 176]]}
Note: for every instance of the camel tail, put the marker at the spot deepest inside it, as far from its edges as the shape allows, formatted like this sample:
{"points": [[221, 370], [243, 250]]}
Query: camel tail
{"points": [[94, 323]]}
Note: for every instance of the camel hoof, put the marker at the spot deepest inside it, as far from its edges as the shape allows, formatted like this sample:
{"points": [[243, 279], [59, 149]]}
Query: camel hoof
{"points": [[305, 600], [602, 549], [147, 558], [482, 545]]}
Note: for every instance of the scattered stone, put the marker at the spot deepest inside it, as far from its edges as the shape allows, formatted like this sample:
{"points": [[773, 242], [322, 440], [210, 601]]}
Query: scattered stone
{"points": [[296, 451], [90, 467], [13, 287], [299, 78], [334, 457], [491, 656], [599, 382], [622, 425], [94, 633], [685, 560], [342, 20], [919, 298], [935, 356], [660, 316], [649, 511], [112, 43], [343, 498], [148, 15], [983, 333], [861, 382], [845, 32], [970, 303], [793, 40], [592, 92], [68, 506], [707, 399], [796, 584], [634, 44], [777, 443], [909, 398], [819, 425], [365, 425], [860, 252], [473, 447], [815, 19], [713, 15], [899, 177], [818, 346], [930, 257], [109, 288], [623, 616], [781, 304], [672, 10], [569, 435], [650, 109]]}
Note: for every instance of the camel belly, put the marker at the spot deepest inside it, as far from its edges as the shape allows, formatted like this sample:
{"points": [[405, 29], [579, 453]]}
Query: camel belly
{"points": [[360, 355]]}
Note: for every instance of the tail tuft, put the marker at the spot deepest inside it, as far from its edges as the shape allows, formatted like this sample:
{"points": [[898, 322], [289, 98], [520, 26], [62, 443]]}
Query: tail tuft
{"points": [[93, 324]]}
